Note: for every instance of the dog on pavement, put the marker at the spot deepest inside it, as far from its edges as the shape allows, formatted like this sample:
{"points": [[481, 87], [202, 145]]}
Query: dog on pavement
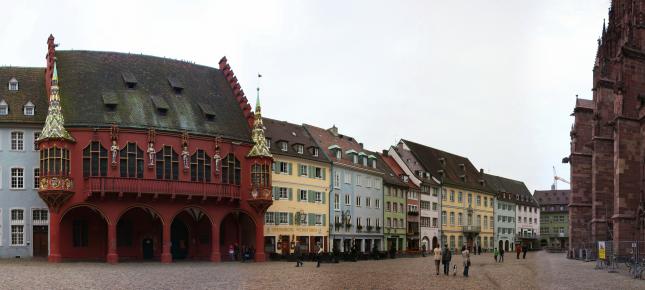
{"points": [[454, 270]]}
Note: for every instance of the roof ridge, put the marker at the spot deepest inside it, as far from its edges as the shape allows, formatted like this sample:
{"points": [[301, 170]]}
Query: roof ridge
{"points": [[136, 54], [433, 148]]}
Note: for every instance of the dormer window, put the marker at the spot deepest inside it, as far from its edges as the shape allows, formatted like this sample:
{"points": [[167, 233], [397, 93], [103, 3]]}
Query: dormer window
{"points": [[110, 101], [208, 111], [4, 108], [462, 167], [268, 142], [13, 84], [315, 153], [28, 109], [130, 80], [364, 161], [338, 154], [300, 148], [442, 161], [355, 158], [177, 86], [160, 104], [283, 146], [335, 149], [374, 163]]}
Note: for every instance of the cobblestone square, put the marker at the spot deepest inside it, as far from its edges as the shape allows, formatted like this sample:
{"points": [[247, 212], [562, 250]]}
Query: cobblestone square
{"points": [[540, 270]]}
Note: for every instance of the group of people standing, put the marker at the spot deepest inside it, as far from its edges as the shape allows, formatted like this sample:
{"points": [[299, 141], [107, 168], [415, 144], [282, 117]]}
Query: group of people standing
{"points": [[237, 253], [519, 249], [444, 257], [299, 255]]}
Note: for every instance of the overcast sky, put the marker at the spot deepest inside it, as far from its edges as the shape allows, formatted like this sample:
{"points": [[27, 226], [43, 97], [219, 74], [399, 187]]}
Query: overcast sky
{"points": [[494, 81]]}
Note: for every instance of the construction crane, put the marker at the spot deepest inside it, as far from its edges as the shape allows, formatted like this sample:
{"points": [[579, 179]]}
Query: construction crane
{"points": [[555, 180]]}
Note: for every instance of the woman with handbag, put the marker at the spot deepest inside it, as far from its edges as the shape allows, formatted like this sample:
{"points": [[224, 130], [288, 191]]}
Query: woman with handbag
{"points": [[465, 254]]}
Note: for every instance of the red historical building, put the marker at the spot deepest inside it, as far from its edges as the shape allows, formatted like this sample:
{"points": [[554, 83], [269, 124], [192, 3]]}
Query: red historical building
{"points": [[607, 200], [150, 158]]}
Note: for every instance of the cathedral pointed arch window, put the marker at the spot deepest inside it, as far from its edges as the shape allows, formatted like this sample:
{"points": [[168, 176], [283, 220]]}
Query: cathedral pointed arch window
{"points": [[131, 161], [231, 171], [167, 164], [200, 166], [95, 160]]}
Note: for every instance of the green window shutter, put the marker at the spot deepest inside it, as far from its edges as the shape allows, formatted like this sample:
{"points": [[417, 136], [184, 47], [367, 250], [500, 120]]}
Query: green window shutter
{"points": [[324, 173], [289, 169], [312, 219], [312, 172], [274, 166], [322, 194], [324, 219], [299, 169], [275, 192], [298, 195], [311, 195], [290, 190], [291, 218]]}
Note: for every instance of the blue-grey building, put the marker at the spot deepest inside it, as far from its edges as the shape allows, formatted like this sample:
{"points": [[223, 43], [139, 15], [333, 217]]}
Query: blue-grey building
{"points": [[356, 194], [507, 192], [24, 217]]}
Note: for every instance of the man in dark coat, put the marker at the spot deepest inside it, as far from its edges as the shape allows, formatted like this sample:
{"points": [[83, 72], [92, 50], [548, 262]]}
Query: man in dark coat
{"points": [[446, 256]]}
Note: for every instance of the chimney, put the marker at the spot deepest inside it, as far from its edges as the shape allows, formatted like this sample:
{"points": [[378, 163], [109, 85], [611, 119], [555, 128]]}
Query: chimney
{"points": [[333, 130], [360, 144], [481, 170]]}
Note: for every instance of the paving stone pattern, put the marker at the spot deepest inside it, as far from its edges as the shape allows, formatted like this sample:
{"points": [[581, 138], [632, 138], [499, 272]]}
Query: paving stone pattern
{"points": [[540, 270]]}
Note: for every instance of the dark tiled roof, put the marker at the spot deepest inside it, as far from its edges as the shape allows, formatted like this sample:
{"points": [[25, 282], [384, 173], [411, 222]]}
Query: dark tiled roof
{"points": [[87, 76], [294, 134], [509, 189], [393, 173], [31, 87], [455, 166], [325, 139], [552, 197]]}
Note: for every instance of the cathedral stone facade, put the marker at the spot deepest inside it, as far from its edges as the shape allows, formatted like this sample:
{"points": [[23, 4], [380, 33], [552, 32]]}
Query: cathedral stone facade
{"points": [[607, 151]]}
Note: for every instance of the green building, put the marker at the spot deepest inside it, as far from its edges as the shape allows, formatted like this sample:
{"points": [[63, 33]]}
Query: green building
{"points": [[395, 190], [554, 218]]}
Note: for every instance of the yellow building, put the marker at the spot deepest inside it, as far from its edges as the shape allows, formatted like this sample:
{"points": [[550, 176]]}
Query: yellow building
{"points": [[467, 205], [300, 178]]}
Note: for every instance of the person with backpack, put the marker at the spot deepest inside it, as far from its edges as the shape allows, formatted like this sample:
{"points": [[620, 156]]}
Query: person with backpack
{"points": [[465, 254], [446, 256]]}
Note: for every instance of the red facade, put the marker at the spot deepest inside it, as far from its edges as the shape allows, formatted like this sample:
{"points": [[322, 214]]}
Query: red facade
{"points": [[137, 194]]}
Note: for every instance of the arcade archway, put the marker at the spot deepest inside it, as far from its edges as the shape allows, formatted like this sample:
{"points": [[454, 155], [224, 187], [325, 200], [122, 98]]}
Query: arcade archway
{"points": [[139, 234], [83, 234], [190, 235], [237, 231], [435, 242]]}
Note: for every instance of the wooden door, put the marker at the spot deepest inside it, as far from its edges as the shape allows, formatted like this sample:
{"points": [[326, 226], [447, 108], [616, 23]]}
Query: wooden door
{"points": [[40, 242]]}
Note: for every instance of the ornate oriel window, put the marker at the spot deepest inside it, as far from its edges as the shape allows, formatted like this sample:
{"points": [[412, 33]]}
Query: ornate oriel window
{"points": [[167, 164], [54, 162], [260, 175], [95, 160], [200, 166], [231, 172], [131, 161]]}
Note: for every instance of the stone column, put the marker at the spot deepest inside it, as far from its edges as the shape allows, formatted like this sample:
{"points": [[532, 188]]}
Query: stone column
{"points": [[259, 241], [166, 256], [112, 255], [54, 241], [215, 250]]}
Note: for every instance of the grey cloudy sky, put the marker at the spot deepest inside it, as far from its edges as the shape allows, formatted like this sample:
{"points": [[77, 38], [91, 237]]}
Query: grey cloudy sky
{"points": [[491, 80]]}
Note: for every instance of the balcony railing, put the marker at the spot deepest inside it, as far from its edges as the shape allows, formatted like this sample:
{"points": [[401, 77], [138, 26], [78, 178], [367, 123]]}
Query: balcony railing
{"points": [[471, 229], [160, 187]]}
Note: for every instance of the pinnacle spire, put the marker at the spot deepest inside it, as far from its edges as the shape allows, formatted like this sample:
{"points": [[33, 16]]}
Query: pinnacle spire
{"points": [[55, 122], [260, 148]]}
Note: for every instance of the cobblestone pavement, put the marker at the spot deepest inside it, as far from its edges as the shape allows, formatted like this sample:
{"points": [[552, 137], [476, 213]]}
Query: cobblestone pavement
{"points": [[540, 270]]}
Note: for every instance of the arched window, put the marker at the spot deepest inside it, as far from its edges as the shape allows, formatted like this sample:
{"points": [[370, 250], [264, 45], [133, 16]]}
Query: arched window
{"points": [[131, 160], [54, 162], [231, 172], [95, 160], [260, 175], [200, 166], [167, 164]]}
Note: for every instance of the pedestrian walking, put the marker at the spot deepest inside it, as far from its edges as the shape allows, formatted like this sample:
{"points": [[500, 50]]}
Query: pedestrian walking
{"points": [[465, 255], [423, 252], [437, 257], [495, 254], [298, 253], [319, 255], [446, 256], [231, 252], [479, 250], [501, 255], [525, 249], [518, 249]]}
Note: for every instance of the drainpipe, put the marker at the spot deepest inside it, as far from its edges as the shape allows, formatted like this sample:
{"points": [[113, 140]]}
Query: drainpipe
{"points": [[441, 245]]}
